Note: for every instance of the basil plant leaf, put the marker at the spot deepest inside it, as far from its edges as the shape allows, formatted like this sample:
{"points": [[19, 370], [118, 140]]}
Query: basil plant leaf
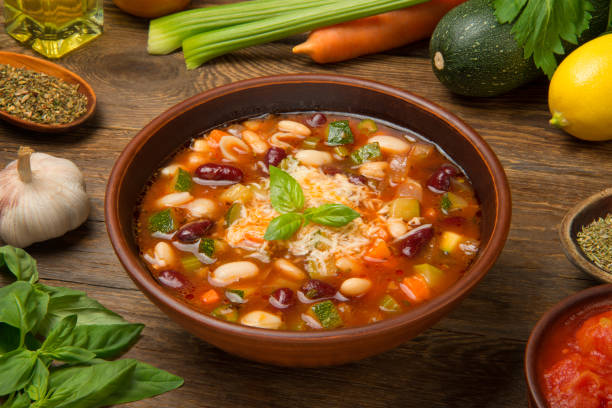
{"points": [[331, 215], [37, 389], [64, 302], [286, 195], [16, 367], [106, 341], [19, 263], [283, 226], [144, 382], [9, 338], [61, 334], [22, 306], [87, 386], [70, 354], [17, 401]]}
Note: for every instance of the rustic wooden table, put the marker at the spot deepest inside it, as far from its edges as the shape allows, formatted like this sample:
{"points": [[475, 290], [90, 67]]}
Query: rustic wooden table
{"points": [[472, 358]]}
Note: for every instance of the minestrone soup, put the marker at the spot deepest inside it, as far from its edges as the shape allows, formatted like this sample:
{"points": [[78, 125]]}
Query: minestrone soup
{"points": [[308, 222]]}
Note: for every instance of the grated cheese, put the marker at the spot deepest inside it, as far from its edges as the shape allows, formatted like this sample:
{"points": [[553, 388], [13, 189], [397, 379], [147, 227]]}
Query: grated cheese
{"points": [[319, 245]]}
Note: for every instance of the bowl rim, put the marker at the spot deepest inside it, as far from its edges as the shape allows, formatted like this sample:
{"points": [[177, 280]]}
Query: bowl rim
{"points": [[142, 277], [540, 330]]}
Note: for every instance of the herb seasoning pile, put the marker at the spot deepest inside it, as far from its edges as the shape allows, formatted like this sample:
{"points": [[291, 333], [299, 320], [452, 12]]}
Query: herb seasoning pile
{"points": [[39, 97], [595, 240]]}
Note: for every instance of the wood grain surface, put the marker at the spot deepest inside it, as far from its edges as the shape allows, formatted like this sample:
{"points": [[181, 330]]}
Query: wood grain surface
{"points": [[472, 358]]}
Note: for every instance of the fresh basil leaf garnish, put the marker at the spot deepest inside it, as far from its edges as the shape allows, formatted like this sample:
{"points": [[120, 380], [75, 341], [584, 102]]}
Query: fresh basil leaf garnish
{"points": [[286, 195], [339, 133], [283, 226], [331, 215]]}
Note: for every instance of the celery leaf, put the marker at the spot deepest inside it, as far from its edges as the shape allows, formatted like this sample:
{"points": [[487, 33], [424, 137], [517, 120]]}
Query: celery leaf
{"points": [[540, 25]]}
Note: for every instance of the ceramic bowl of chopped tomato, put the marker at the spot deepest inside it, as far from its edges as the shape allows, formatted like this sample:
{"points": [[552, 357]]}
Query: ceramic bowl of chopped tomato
{"points": [[568, 360]]}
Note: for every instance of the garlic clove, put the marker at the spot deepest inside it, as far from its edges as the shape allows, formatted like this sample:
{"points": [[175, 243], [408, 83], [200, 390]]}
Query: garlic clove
{"points": [[42, 197]]}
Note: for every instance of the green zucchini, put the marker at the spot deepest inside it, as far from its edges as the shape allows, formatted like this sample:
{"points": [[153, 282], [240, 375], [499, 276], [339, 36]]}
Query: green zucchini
{"points": [[473, 54]]}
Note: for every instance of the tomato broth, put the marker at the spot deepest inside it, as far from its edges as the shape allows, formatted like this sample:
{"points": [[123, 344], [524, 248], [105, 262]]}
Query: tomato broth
{"points": [[308, 221]]}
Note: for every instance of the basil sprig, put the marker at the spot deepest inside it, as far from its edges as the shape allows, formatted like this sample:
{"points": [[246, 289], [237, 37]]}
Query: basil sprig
{"points": [[287, 198], [42, 326]]}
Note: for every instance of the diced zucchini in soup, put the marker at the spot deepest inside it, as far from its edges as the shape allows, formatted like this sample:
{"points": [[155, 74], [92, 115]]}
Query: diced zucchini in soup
{"points": [[449, 241], [432, 275], [307, 221], [226, 312], [326, 314], [452, 202], [162, 221], [182, 180], [405, 208]]}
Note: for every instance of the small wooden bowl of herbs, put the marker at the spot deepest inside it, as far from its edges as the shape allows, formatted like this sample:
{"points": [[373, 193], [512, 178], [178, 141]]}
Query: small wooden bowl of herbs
{"points": [[42, 96], [586, 235]]}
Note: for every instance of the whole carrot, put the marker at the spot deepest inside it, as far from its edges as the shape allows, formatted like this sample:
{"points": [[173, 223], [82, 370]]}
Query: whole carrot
{"points": [[375, 34]]}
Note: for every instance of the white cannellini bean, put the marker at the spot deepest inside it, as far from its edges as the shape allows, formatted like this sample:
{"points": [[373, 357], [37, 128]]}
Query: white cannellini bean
{"points": [[261, 319], [355, 286], [391, 144], [201, 207], [170, 171], [164, 254], [200, 145], [291, 126], [376, 170], [196, 159], [397, 227], [175, 199], [314, 157], [346, 264], [232, 148], [232, 272], [288, 269], [258, 145]]}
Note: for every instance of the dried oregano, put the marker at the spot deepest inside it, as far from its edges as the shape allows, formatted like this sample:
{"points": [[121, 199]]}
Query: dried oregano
{"points": [[39, 97], [595, 240]]}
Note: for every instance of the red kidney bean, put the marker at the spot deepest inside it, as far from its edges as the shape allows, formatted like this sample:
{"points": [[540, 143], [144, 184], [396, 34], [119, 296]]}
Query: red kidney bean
{"points": [[282, 298], [191, 232], [316, 120], [331, 170], [172, 279], [274, 156], [316, 289], [449, 169], [439, 182], [413, 243], [358, 179], [221, 174]]}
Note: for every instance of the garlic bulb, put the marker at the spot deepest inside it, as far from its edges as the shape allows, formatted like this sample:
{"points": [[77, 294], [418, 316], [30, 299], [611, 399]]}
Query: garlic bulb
{"points": [[41, 197]]}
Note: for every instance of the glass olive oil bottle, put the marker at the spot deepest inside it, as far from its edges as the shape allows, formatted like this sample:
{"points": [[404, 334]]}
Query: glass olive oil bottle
{"points": [[53, 27]]}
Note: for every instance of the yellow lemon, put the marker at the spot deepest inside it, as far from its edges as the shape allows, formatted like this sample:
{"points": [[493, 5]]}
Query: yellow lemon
{"points": [[580, 93]]}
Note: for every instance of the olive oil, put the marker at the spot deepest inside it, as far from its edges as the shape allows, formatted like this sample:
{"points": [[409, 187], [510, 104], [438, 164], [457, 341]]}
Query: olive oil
{"points": [[53, 27]]}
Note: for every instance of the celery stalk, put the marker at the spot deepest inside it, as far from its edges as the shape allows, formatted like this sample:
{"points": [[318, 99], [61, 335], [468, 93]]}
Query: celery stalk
{"points": [[167, 33], [205, 46]]}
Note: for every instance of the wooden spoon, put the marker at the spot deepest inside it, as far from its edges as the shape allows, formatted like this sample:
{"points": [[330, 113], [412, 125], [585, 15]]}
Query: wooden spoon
{"points": [[49, 68], [585, 212]]}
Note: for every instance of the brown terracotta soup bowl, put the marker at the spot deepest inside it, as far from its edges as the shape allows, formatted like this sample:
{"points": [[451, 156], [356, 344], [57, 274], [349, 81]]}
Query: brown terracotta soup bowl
{"points": [[156, 143], [559, 322]]}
